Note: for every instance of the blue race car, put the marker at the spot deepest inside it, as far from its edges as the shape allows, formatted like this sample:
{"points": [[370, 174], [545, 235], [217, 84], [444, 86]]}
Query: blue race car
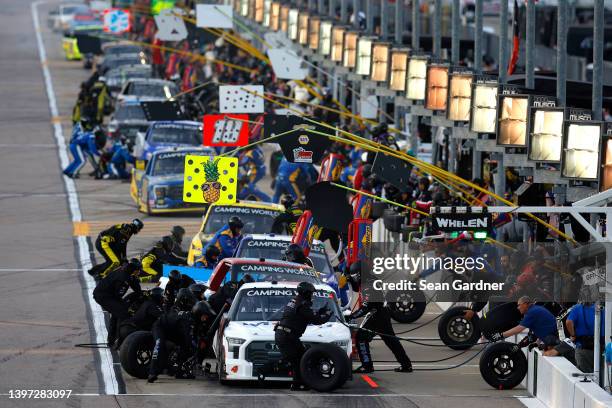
{"points": [[159, 187], [164, 134]]}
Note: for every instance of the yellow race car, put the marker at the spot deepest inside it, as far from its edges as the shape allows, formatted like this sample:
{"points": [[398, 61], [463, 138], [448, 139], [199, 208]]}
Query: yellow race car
{"points": [[257, 217]]}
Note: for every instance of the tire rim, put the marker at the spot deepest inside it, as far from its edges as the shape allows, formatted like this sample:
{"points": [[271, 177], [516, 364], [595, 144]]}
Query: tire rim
{"points": [[325, 367], [404, 303], [143, 356], [503, 365], [459, 329]]}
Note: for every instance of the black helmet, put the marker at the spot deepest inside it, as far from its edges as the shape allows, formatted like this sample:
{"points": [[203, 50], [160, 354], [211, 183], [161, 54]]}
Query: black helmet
{"points": [[287, 201], [305, 289], [167, 243], [138, 225], [174, 275], [178, 231], [198, 290], [235, 222], [211, 251], [355, 268], [247, 278], [157, 294], [202, 308], [185, 300], [86, 123], [294, 253], [424, 181], [134, 265], [100, 137]]}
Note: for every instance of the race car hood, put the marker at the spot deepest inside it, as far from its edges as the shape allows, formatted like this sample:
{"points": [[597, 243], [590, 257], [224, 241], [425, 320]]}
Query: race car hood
{"points": [[264, 331]]}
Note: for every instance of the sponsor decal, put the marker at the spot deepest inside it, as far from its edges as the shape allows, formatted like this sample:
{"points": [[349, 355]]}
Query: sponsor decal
{"points": [[245, 210], [461, 222], [303, 139], [278, 269], [173, 155], [289, 292], [301, 155]]}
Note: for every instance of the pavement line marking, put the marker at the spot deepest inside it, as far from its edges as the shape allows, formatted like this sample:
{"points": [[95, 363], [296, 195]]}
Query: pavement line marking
{"points": [[34, 323], [110, 385], [368, 380], [28, 146], [44, 352]]}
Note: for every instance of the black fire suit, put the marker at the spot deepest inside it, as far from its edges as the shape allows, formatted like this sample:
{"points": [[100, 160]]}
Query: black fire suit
{"points": [[143, 319], [380, 322], [112, 245], [225, 294], [297, 315], [175, 326], [109, 294], [172, 288], [285, 222]]}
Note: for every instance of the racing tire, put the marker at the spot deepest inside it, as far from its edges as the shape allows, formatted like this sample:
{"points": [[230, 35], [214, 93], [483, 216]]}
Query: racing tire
{"points": [[136, 353], [456, 331], [408, 306], [325, 367], [503, 365]]}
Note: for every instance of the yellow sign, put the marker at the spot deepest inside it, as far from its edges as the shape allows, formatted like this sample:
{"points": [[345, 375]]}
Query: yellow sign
{"points": [[210, 180]]}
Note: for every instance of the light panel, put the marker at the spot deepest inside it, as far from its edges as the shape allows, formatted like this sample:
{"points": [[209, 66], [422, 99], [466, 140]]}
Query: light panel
{"points": [[512, 126], [459, 97], [259, 10], [605, 182], [313, 33], [244, 8], [364, 56], [266, 13], [303, 19], [380, 62], [484, 108], [580, 159], [325, 30], [399, 67], [437, 87], [292, 24], [546, 136], [284, 19], [349, 58], [417, 78], [252, 7], [337, 43], [275, 16]]}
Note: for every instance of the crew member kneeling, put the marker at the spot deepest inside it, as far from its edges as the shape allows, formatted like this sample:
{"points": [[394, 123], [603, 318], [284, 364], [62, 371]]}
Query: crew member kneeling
{"points": [[297, 315]]}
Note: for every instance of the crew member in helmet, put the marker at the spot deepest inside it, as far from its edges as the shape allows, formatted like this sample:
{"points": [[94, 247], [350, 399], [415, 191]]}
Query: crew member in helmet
{"points": [[148, 312], [228, 237], [112, 245], [154, 260], [295, 253], [378, 321], [297, 315], [110, 291], [285, 222], [210, 258], [176, 282], [177, 234]]}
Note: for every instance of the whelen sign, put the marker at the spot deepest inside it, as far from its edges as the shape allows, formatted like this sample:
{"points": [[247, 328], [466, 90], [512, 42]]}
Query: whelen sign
{"points": [[453, 222]]}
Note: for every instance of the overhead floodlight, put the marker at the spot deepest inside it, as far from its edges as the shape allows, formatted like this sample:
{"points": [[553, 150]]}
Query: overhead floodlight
{"points": [[349, 59], [417, 77], [580, 155], [605, 182], [284, 19], [380, 62], [266, 12], [512, 120], [437, 86], [337, 43], [484, 105], [303, 19], [459, 95], [275, 16], [292, 29], [399, 67], [325, 38], [314, 29], [364, 56]]}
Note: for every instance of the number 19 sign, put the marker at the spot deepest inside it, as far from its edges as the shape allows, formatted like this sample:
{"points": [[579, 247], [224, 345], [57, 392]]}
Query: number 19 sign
{"points": [[117, 21]]}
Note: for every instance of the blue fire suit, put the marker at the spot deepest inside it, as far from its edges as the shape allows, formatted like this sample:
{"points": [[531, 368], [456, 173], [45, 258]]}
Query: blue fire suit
{"points": [[253, 163], [290, 176], [82, 145]]}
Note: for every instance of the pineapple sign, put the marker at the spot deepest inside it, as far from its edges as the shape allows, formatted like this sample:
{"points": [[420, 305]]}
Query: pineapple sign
{"points": [[210, 179]]}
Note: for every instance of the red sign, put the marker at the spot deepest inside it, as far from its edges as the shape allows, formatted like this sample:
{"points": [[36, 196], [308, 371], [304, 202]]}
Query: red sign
{"points": [[226, 130]]}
